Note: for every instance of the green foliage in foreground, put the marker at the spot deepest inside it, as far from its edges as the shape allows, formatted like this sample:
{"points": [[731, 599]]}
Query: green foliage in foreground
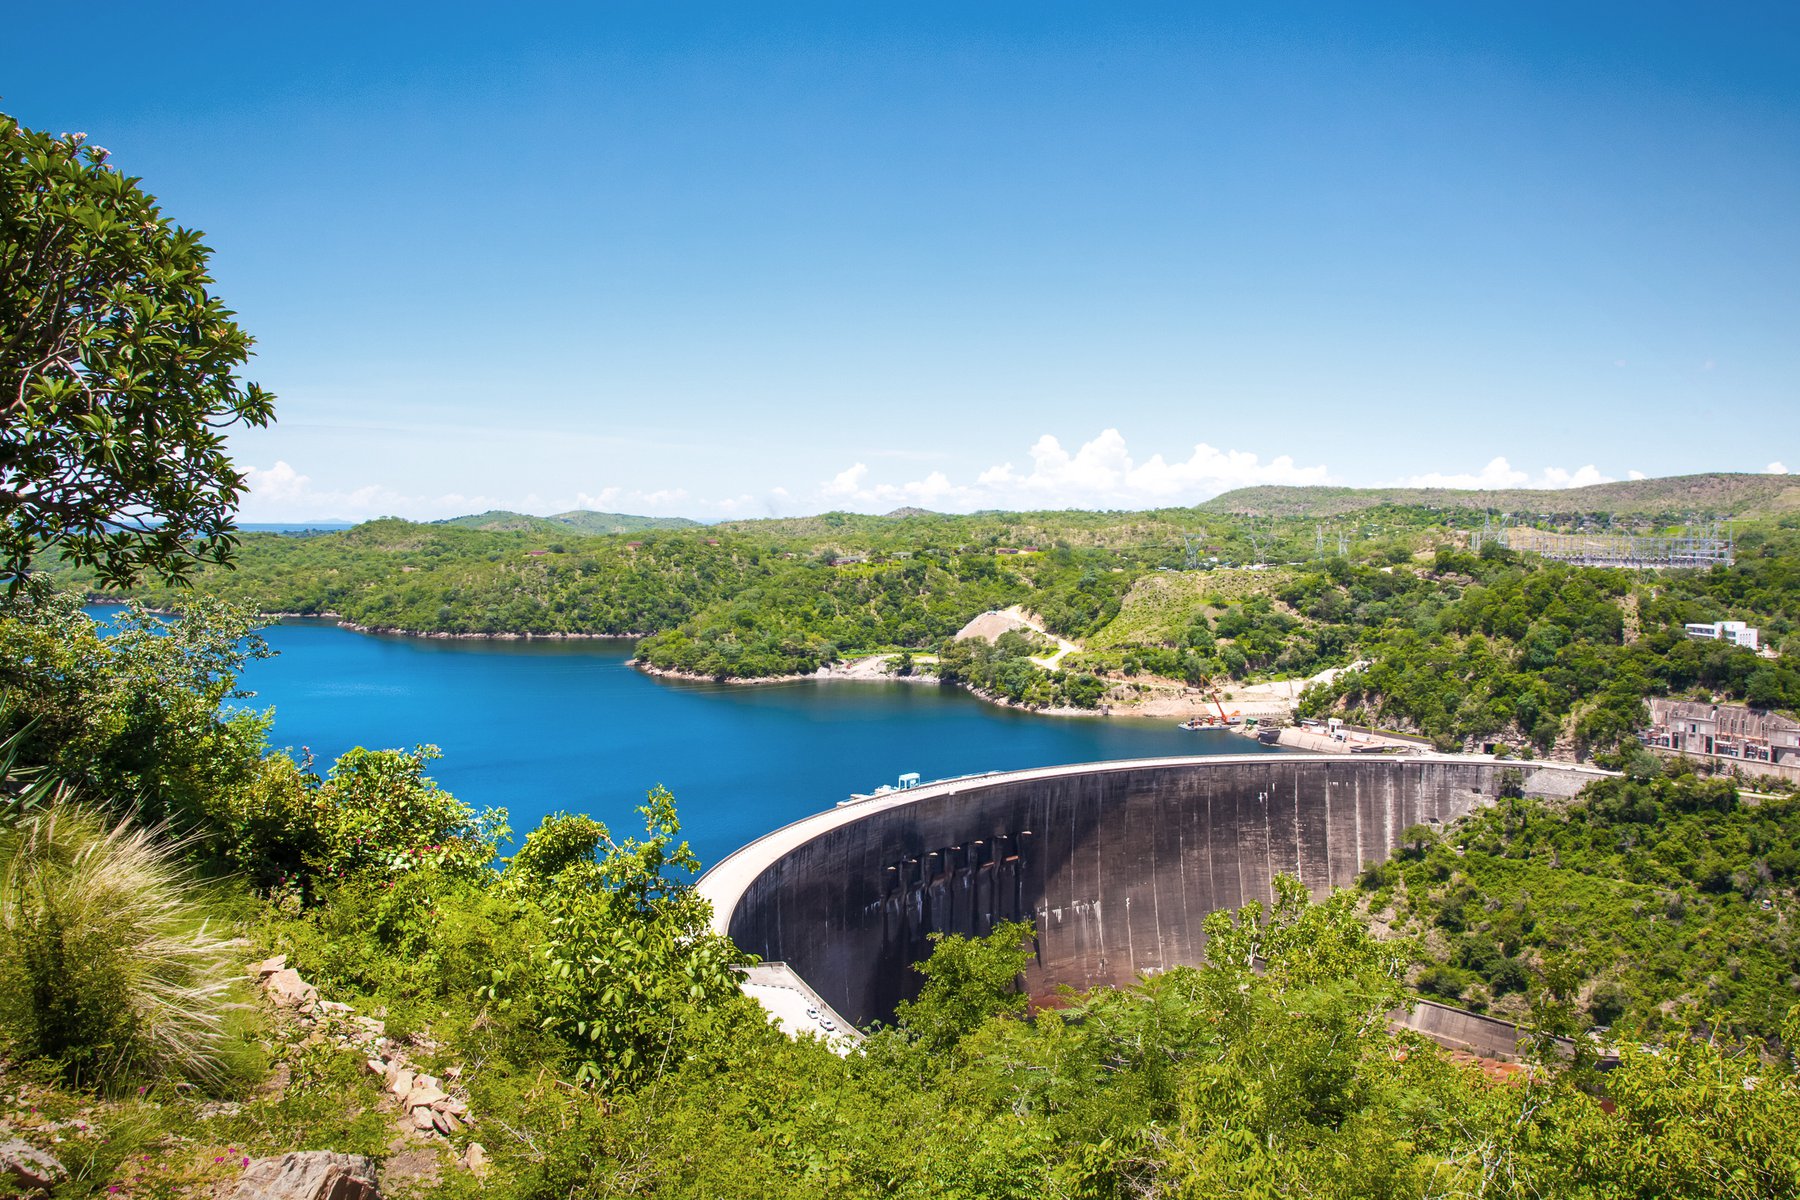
{"points": [[1641, 896], [1207, 1081], [105, 968]]}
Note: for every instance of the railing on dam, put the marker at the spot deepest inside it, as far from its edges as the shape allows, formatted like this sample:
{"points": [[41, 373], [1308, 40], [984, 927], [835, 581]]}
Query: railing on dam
{"points": [[1117, 864]]}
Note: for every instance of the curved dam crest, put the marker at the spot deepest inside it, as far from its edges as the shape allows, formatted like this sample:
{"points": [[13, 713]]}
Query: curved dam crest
{"points": [[1117, 864]]}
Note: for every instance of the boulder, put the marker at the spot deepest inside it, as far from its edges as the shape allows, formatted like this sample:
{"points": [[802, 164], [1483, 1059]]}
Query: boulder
{"points": [[27, 1171], [401, 1083], [309, 1175], [288, 989], [475, 1159], [424, 1094], [269, 966]]}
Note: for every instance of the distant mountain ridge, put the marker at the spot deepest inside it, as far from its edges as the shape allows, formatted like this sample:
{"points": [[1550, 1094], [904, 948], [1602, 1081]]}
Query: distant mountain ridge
{"points": [[579, 521], [1715, 494]]}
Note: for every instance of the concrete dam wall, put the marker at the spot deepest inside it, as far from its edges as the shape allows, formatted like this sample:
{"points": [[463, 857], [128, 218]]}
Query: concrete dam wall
{"points": [[1116, 863]]}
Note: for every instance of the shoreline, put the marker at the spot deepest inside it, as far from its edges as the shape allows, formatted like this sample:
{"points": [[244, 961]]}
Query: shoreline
{"points": [[860, 670], [339, 620], [396, 631], [865, 669]]}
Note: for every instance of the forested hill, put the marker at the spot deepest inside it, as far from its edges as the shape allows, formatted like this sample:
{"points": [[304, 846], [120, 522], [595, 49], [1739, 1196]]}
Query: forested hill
{"points": [[1674, 498], [1464, 647], [579, 520]]}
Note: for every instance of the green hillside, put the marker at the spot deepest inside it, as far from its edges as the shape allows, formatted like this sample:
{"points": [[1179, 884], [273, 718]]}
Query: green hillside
{"points": [[580, 520], [587, 521], [1715, 494]]}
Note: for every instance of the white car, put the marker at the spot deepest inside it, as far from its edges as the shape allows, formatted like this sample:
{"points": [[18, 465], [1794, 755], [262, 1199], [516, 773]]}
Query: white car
{"points": [[812, 1012], [828, 1025]]}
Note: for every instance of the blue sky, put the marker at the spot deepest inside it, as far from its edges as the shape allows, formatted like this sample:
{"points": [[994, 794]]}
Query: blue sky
{"points": [[745, 259]]}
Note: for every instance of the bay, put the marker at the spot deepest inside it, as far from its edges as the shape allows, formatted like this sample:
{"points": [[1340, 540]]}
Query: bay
{"points": [[543, 726]]}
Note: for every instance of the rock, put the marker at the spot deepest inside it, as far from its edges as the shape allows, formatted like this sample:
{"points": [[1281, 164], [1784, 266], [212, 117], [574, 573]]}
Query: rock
{"points": [[446, 1124], [422, 1120], [456, 1106], [28, 1171], [288, 989], [411, 1169], [475, 1159], [453, 1073], [424, 1095], [309, 1175], [402, 1082], [376, 1067], [335, 1006], [269, 966]]}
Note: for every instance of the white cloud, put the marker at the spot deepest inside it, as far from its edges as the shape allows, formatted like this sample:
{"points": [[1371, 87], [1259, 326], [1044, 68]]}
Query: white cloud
{"points": [[846, 482], [1099, 474], [1775, 468], [283, 493], [1636, 475], [601, 501], [277, 484], [1499, 473]]}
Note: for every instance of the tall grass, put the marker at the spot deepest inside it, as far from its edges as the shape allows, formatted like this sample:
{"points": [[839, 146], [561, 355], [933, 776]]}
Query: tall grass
{"points": [[105, 964]]}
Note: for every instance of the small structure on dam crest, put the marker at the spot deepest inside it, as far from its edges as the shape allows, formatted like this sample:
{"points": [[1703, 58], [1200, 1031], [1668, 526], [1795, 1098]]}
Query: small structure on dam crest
{"points": [[1117, 864]]}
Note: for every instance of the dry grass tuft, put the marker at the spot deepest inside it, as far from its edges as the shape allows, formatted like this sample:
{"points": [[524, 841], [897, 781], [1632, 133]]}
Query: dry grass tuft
{"points": [[105, 965]]}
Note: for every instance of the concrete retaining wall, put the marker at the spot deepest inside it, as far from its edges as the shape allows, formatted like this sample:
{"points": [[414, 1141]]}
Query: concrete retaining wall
{"points": [[1117, 863]]}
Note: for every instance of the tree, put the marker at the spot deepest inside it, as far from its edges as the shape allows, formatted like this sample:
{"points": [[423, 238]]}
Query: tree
{"points": [[968, 981], [629, 959], [132, 716], [117, 372]]}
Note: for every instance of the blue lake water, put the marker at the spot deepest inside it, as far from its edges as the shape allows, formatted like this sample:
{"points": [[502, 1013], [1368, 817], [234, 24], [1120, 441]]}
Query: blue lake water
{"points": [[537, 727]]}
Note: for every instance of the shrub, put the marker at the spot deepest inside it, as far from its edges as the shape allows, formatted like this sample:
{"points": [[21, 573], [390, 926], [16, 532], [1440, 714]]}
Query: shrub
{"points": [[377, 808], [628, 957], [105, 965]]}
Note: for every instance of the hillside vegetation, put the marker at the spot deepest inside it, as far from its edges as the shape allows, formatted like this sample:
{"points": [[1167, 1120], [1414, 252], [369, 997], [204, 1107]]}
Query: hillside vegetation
{"points": [[592, 1023], [1646, 895], [1465, 648], [588, 1026], [1672, 498], [582, 521]]}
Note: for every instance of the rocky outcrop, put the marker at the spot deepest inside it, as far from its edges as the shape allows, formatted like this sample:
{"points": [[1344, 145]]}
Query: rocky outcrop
{"points": [[429, 1105], [27, 1171], [309, 1175]]}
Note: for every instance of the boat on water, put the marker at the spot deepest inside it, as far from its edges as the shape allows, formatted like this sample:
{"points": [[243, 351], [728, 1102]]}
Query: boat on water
{"points": [[1210, 722]]}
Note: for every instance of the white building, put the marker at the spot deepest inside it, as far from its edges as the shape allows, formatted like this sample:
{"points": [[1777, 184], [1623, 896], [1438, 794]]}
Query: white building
{"points": [[1735, 632]]}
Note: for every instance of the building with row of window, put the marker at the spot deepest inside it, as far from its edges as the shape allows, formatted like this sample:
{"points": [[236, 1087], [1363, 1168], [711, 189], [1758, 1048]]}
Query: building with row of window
{"points": [[1729, 731], [1735, 632]]}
